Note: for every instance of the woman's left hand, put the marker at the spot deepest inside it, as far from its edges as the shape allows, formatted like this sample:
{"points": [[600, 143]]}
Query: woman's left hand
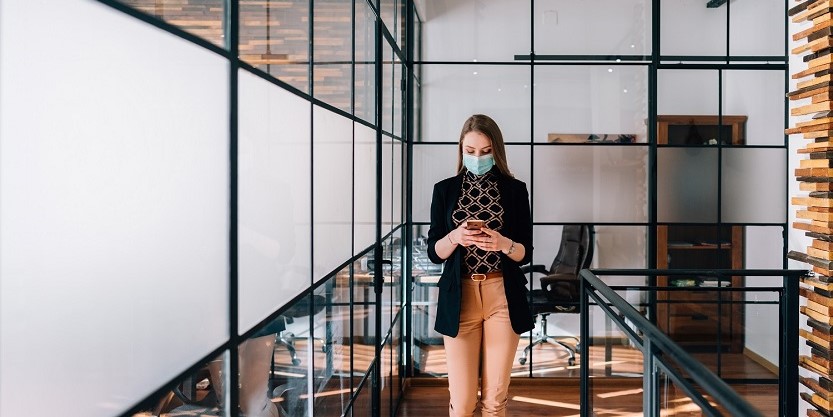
{"points": [[493, 241]]}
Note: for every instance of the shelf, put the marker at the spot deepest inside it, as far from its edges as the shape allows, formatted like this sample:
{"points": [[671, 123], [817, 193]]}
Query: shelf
{"points": [[687, 246]]}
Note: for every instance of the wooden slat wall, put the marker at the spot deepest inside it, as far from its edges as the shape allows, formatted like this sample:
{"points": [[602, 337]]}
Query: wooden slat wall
{"points": [[813, 100]]}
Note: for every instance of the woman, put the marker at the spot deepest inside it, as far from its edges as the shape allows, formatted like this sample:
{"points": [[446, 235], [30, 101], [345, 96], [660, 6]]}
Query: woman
{"points": [[482, 305]]}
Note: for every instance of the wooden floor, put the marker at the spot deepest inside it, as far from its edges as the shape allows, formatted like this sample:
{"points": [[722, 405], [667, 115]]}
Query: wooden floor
{"points": [[559, 397], [616, 391]]}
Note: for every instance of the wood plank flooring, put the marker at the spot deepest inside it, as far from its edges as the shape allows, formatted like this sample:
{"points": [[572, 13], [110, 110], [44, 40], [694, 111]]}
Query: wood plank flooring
{"points": [[617, 384], [559, 397]]}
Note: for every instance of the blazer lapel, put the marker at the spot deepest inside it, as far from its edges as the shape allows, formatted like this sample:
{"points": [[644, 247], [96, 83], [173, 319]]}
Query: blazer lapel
{"points": [[454, 190]]}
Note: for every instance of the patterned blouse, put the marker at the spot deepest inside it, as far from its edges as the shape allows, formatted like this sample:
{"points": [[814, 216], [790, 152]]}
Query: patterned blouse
{"points": [[479, 199]]}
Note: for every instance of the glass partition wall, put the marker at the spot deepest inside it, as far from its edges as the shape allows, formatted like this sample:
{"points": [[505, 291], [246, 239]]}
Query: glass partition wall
{"points": [[259, 170], [661, 123], [314, 133]]}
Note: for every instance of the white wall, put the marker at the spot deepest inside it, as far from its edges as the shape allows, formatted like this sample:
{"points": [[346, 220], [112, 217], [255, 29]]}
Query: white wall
{"points": [[114, 211]]}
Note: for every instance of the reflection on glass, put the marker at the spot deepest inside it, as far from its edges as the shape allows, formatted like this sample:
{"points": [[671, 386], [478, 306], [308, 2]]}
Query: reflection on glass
{"points": [[428, 353], [332, 54], [392, 289], [386, 393], [200, 393], [391, 12], [364, 313], [613, 357], [364, 84], [331, 362], [202, 18], [274, 37], [500, 91], [290, 337], [397, 377], [363, 405]]}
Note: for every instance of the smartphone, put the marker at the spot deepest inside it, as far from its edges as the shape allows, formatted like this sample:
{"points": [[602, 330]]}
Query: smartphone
{"points": [[474, 224]]}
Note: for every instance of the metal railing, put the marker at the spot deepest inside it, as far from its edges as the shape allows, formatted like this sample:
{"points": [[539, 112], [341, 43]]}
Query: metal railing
{"points": [[661, 354]]}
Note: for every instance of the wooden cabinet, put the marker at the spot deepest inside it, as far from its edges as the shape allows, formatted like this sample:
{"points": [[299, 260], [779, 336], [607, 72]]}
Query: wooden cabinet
{"points": [[697, 316]]}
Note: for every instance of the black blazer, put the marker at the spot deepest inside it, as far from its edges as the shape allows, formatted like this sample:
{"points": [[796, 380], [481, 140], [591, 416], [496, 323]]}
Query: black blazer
{"points": [[517, 226]]}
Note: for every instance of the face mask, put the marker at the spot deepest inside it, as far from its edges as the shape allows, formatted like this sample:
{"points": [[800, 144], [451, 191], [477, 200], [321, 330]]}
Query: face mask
{"points": [[478, 165]]}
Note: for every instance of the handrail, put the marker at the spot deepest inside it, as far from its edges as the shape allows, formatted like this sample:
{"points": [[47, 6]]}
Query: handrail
{"points": [[655, 339]]}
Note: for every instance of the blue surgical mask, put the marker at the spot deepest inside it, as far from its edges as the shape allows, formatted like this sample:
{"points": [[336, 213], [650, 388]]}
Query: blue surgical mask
{"points": [[478, 165]]}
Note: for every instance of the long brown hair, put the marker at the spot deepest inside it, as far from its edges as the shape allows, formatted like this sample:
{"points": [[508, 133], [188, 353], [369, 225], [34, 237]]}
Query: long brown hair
{"points": [[484, 124]]}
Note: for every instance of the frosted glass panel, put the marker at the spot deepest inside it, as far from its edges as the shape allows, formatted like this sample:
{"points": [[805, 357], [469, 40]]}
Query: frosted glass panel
{"points": [[397, 192], [757, 28], [388, 86], [387, 184], [574, 102], [273, 198], [520, 164], [467, 30], [687, 184], [764, 250], [754, 185], [501, 92], [432, 163], [332, 194], [760, 96], [562, 27], [590, 184], [689, 92], [114, 207], [364, 191], [688, 27]]}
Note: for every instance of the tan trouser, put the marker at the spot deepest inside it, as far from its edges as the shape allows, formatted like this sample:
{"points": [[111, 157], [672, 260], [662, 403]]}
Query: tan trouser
{"points": [[484, 327]]}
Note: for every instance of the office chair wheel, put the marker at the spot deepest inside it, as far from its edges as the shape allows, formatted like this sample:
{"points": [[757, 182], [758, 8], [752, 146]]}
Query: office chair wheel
{"points": [[296, 361], [571, 361], [522, 361]]}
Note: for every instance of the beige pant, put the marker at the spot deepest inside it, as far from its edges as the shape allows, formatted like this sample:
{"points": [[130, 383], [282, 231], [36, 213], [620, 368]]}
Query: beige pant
{"points": [[484, 328]]}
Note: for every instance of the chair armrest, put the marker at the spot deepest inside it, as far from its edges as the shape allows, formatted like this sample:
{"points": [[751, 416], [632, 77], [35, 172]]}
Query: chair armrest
{"points": [[561, 288], [541, 269]]}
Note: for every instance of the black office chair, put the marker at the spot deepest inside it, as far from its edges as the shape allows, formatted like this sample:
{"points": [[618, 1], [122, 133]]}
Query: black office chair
{"points": [[559, 291]]}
